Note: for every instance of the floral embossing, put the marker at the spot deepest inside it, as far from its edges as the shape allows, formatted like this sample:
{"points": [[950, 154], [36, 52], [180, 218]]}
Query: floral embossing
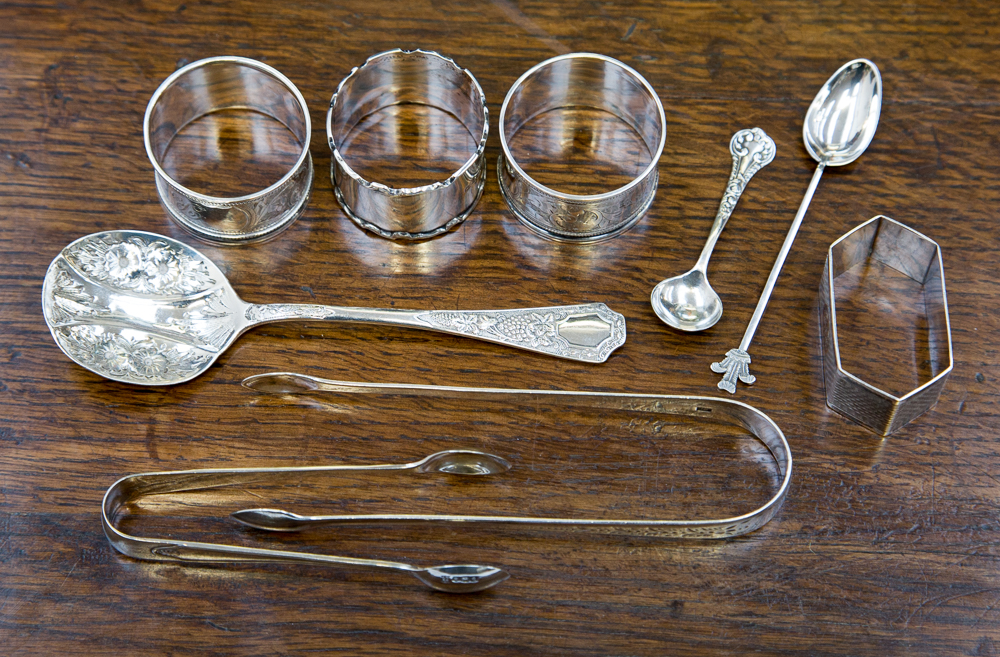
{"points": [[535, 329], [277, 312], [149, 361], [138, 359], [210, 322], [139, 264]]}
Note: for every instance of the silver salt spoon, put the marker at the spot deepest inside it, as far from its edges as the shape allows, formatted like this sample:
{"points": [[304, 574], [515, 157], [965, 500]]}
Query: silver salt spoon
{"points": [[687, 302]]}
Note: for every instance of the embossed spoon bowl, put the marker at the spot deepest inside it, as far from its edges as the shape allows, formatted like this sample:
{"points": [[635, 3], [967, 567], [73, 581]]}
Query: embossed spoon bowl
{"points": [[142, 308], [688, 302]]}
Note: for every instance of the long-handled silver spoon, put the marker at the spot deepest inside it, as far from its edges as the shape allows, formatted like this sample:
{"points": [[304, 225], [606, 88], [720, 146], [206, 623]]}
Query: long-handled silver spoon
{"points": [[687, 302], [142, 308], [463, 578], [839, 126]]}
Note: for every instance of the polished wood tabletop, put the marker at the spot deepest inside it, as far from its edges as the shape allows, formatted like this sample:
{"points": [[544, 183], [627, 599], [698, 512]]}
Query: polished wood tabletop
{"points": [[884, 546]]}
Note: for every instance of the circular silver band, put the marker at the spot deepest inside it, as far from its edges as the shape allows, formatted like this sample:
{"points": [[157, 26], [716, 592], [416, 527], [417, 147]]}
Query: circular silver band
{"points": [[393, 78], [573, 80], [221, 83]]}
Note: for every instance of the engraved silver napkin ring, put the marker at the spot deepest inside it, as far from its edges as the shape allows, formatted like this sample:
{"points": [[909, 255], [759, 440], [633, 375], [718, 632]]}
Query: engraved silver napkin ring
{"points": [[220, 83], [589, 80], [393, 78], [916, 256]]}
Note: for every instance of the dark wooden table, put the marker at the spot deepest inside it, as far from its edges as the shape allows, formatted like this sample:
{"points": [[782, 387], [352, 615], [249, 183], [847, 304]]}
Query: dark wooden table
{"points": [[882, 547]]}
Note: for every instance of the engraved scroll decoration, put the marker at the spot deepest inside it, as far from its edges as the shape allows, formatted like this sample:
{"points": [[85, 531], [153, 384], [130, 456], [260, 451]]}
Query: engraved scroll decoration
{"points": [[574, 218], [751, 149], [276, 312], [534, 329], [259, 215]]}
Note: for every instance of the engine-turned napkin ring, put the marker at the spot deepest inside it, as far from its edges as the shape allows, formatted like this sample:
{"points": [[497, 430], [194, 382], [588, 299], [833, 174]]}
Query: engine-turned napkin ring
{"points": [[918, 257]]}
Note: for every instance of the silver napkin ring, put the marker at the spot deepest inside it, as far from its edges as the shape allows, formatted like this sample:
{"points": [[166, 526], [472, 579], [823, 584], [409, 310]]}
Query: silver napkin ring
{"points": [[393, 78], [589, 80], [916, 256], [220, 83]]}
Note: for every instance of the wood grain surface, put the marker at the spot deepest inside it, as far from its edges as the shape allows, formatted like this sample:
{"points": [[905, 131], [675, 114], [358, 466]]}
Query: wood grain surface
{"points": [[883, 547]]}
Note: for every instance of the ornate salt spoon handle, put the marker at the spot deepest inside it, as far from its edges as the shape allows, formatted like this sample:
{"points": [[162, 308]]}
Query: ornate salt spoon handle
{"points": [[143, 308]]}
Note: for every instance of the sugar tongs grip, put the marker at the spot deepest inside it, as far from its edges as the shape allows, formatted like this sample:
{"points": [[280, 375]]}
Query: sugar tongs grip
{"points": [[463, 578]]}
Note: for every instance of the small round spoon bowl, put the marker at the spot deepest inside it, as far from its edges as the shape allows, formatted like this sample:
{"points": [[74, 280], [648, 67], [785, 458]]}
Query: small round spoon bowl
{"points": [[281, 383], [687, 302], [468, 463], [461, 578]]}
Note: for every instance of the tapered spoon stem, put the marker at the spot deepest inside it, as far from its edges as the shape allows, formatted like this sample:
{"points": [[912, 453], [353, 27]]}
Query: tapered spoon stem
{"points": [[736, 364], [839, 126], [772, 279]]}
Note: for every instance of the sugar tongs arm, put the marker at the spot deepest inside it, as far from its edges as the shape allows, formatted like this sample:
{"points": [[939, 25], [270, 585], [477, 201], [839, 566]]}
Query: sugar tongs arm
{"points": [[127, 490]]}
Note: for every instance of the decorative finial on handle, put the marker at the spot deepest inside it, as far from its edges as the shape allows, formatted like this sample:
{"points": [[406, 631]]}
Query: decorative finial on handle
{"points": [[736, 365]]}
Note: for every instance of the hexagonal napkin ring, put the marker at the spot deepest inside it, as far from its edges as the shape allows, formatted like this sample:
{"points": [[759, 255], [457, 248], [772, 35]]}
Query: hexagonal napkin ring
{"points": [[916, 256]]}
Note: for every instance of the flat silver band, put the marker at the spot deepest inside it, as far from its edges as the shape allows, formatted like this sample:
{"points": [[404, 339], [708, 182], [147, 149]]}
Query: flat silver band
{"points": [[393, 78], [220, 83], [917, 256], [588, 80]]}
